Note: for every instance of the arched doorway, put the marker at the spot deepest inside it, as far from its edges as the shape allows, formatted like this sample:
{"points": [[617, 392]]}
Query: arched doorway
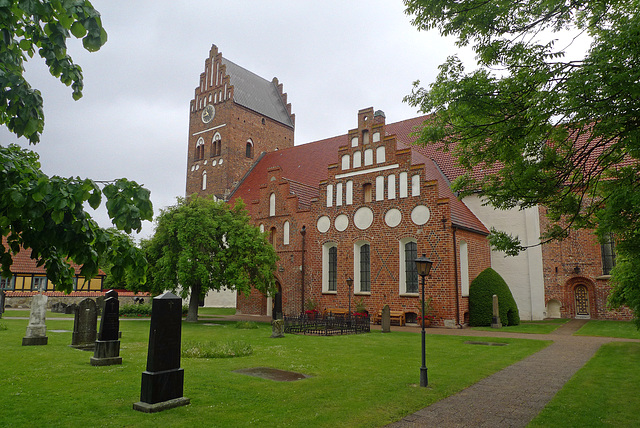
{"points": [[581, 296]]}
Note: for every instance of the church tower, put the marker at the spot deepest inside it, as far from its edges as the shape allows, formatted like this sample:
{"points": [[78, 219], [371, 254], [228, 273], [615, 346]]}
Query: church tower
{"points": [[235, 116]]}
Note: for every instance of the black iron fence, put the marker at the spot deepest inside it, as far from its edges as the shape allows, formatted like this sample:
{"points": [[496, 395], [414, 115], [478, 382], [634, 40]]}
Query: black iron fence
{"points": [[327, 324]]}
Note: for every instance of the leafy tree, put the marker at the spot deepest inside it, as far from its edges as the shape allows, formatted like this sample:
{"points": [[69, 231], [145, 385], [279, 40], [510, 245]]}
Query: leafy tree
{"points": [[45, 213], [42, 26], [201, 245], [546, 129]]}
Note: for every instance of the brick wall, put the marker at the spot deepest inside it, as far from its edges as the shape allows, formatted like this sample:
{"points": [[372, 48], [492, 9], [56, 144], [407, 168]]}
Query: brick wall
{"points": [[573, 262]]}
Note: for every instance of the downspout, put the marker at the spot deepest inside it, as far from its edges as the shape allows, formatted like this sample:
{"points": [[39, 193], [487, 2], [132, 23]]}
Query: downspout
{"points": [[455, 270], [303, 232]]}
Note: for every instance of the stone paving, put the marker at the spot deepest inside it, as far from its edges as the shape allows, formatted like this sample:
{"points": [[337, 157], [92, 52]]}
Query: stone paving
{"points": [[513, 396]]}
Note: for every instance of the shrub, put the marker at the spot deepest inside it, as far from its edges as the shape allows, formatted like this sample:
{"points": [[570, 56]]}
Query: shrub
{"points": [[481, 292], [142, 310], [3, 326], [231, 349]]}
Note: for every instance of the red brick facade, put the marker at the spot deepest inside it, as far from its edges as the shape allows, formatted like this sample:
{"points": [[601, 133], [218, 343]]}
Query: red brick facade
{"points": [[225, 163], [362, 216], [573, 266], [367, 187]]}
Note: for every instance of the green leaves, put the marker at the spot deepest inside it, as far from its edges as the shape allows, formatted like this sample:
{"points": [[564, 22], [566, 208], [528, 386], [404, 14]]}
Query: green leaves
{"points": [[43, 26], [536, 128], [46, 214]]}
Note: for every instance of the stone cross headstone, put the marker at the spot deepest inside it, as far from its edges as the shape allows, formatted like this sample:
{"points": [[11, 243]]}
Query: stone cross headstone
{"points": [[163, 381], [37, 329], [386, 319], [85, 322], [277, 328], [495, 320], [107, 348]]}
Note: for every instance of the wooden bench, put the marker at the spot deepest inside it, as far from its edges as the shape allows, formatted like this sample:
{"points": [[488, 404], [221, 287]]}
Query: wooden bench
{"points": [[395, 317], [335, 311]]}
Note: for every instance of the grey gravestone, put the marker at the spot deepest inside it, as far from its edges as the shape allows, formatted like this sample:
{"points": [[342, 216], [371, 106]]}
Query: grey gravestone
{"points": [[100, 304], [277, 328], [59, 308], [71, 309], [107, 350], [37, 329], [163, 381], [495, 321], [386, 319], [85, 322]]}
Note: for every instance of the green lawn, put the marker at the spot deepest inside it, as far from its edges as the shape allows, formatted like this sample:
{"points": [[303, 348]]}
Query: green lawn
{"points": [[533, 327], [216, 311], [360, 380], [604, 393], [621, 329]]}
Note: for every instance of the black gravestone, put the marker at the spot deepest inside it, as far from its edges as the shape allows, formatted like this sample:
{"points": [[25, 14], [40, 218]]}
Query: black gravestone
{"points": [[84, 326], [162, 382], [1, 302], [107, 348]]}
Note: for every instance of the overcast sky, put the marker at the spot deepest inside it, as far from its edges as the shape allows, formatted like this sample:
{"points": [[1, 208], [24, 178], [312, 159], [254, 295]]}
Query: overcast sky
{"points": [[333, 58]]}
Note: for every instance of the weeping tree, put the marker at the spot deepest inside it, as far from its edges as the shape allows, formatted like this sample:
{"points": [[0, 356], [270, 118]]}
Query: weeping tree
{"points": [[201, 245]]}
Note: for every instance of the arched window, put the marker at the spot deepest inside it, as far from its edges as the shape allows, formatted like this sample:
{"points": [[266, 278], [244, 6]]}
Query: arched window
{"points": [[408, 273], [362, 267], [272, 205], [365, 136], [204, 180], [249, 149], [380, 155], [216, 145], [346, 160], [330, 267], [404, 184], [285, 233], [368, 157], [199, 149]]}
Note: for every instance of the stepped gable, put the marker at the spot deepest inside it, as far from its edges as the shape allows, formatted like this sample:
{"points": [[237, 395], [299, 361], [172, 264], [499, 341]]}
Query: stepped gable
{"points": [[305, 166], [258, 94]]}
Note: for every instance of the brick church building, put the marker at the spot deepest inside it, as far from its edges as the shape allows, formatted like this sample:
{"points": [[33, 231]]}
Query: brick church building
{"points": [[364, 205]]}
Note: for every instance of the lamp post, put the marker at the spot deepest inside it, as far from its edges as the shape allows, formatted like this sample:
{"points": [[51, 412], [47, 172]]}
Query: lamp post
{"points": [[423, 266]]}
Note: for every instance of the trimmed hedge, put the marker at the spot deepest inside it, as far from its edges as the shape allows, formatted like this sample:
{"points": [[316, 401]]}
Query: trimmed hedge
{"points": [[481, 292], [142, 310]]}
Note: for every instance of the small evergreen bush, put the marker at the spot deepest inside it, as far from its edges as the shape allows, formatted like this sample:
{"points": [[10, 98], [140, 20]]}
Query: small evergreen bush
{"points": [[3, 326], [481, 292]]}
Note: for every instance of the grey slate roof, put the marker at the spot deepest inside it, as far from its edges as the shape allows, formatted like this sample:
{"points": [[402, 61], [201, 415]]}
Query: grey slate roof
{"points": [[256, 93]]}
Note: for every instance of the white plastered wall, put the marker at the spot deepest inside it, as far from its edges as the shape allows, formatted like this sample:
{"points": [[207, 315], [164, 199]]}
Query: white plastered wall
{"points": [[523, 273], [220, 299]]}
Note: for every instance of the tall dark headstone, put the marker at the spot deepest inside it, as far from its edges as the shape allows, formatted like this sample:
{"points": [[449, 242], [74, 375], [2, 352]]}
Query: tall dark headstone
{"points": [[107, 350], [162, 382], [37, 329], [84, 325], [495, 320]]}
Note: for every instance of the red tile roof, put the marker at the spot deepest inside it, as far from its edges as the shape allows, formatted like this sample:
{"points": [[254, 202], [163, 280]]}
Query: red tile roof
{"points": [[24, 264], [305, 166]]}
